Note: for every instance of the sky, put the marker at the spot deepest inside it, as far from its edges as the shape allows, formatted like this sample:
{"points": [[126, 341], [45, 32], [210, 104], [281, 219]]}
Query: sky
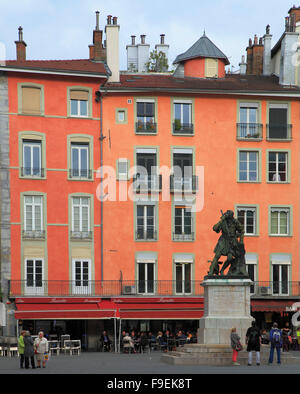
{"points": [[63, 29]]}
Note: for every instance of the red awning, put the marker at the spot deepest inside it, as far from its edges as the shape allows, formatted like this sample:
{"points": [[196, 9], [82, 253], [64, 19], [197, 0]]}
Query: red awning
{"points": [[272, 305]]}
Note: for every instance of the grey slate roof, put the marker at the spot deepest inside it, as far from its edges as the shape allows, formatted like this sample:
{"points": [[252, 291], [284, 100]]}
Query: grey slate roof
{"points": [[204, 47]]}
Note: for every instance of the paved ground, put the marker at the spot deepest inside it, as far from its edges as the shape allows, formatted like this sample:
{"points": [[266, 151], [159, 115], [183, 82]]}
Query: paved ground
{"points": [[133, 364]]}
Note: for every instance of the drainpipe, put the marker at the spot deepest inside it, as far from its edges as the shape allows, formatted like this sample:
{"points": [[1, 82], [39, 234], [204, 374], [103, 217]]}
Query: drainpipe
{"points": [[99, 98]]}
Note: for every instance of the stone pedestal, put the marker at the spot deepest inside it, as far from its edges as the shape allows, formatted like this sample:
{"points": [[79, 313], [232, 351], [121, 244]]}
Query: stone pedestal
{"points": [[227, 305]]}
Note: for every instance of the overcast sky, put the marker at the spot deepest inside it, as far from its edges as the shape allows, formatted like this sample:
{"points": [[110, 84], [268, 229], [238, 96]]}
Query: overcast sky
{"points": [[62, 29]]}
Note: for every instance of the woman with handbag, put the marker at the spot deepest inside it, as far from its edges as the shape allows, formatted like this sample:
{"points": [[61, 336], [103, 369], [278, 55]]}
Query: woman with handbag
{"points": [[236, 346], [41, 349]]}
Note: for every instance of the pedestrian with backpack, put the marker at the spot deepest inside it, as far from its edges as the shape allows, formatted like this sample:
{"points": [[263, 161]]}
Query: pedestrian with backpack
{"points": [[276, 343], [253, 341]]}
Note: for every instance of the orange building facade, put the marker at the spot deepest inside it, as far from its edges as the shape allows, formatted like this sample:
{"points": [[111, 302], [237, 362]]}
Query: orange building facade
{"points": [[117, 184]]}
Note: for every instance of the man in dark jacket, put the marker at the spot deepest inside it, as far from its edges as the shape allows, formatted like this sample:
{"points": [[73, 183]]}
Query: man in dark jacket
{"points": [[253, 341], [276, 343], [29, 350]]}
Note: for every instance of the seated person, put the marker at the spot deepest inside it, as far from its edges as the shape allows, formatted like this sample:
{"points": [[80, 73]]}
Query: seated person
{"points": [[105, 342], [144, 342], [161, 340]]}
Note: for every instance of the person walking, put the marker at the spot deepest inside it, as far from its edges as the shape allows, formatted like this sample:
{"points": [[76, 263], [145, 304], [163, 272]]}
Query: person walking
{"points": [[236, 346], [28, 350], [41, 349], [276, 343], [253, 342], [286, 332], [21, 348]]}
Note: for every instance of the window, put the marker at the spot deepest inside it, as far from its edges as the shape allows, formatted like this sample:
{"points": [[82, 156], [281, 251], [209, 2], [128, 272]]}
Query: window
{"points": [[34, 277], [79, 100], [145, 226], [31, 100], [123, 169], [80, 161], [145, 117], [33, 216], [211, 68], [280, 272], [248, 219], [146, 275], [248, 166], [183, 120], [32, 159], [280, 221], [183, 226], [81, 277], [146, 178], [251, 266], [278, 167], [183, 273], [81, 217], [249, 126], [183, 167], [278, 127]]}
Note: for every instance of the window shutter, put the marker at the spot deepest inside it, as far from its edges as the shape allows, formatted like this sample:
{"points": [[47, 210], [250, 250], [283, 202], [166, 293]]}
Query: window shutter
{"points": [[122, 169], [31, 100], [79, 95], [211, 68]]}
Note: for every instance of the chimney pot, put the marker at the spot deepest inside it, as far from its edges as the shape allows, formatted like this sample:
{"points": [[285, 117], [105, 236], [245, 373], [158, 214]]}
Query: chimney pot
{"points": [[162, 39], [133, 40], [115, 20], [97, 20], [20, 33], [109, 19], [255, 40], [143, 38]]}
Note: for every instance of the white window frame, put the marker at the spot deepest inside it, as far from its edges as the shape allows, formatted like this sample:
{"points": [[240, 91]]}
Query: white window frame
{"points": [[182, 103], [183, 265], [145, 219], [146, 262], [254, 210], [79, 115], [34, 290], [81, 206], [80, 147], [31, 145], [281, 264], [248, 166], [276, 175], [33, 204], [81, 290]]}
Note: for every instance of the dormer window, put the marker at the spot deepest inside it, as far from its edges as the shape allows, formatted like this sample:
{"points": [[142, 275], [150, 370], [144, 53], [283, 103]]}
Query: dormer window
{"points": [[211, 68]]}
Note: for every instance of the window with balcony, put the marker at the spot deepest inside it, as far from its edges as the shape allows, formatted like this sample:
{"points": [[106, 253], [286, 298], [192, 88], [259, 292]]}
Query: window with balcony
{"points": [[146, 178], [278, 167], [249, 126], [280, 274], [145, 223], [183, 224], [34, 277], [248, 166], [145, 112], [81, 277], [81, 228], [183, 168], [146, 277], [279, 127], [183, 118], [32, 159], [80, 159], [183, 278], [33, 218]]}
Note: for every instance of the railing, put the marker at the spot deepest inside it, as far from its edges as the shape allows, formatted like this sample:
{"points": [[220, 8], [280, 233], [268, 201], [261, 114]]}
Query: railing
{"points": [[279, 132], [147, 183], [146, 127], [80, 174], [19, 288], [148, 235], [247, 131], [183, 128], [33, 235], [32, 172], [81, 235], [186, 184], [184, 237]]}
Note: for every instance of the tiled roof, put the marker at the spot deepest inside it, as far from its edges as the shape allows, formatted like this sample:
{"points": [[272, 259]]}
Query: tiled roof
{"points": [[84, 66], [232, 82], [204, 47]]}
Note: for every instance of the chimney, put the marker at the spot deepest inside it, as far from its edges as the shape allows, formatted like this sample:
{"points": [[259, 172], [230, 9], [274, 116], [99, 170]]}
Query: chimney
{"points": [[97, 50], [289, 48], [162, 47], [143, 54], [112, 48], [21, 47], [132, 56], [267, 59], [243, 66], [255, 56], [249, 57]]}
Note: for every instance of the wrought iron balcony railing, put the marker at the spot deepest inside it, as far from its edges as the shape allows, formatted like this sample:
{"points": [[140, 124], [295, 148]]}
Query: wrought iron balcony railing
{"points": [[81, 235], [184, 184], [146, 127], [33, 234], [39, 288], [31, 172], [146, 235], [183, 128], [80, 174], [147, 183], [282, 132], [246, 131]]}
